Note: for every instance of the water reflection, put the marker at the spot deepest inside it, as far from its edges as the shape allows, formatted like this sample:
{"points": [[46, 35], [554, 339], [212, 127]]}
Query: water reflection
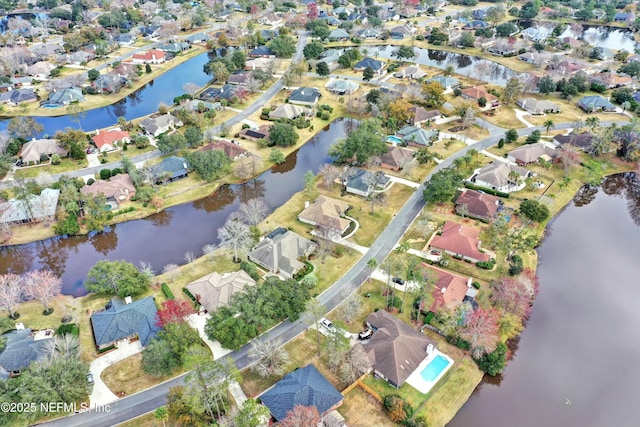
{"points": [[162, 218], [287, 165], [585, 195], [254, 189], [217, 200], [106, 241]]}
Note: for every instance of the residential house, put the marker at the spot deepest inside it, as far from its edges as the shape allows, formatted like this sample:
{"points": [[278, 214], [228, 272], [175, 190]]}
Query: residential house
{"points": [[65, 96], [261, 52], [331, 57], [449, 289], [363, 182], [231, 150], [536, 34], [420, 115], [109, 140], [369, 34], [501, 176], [531, 153], [401, 31], [476, 24], [125, 39], [611, 80], [459, 241], [374, 64], [47, 50], [270, 19], [227, 91], [537, 107], [37, 149], [18, 96], [302, 387], [341, 87], [240, 78], [476, 92], [581, 141], [339, 35], [474, 204], [198, 105], [415, 136], [77, 58], [305, 96], [215, 290], [411, 72], [153, 56], [268, 35], [198, 38], [624, 17], [326, 212], [594, 103], [158, 125], [22, 347], [40, 70], [395, 349], [174, 48], [35, 209], [332, 20], [479, 14], [128, 320], [108, 83], [341, 9], [119, 188], [280, 251], [171, 168], [396, 158], [262, 64], [446, 82], [150, 31], [262, 132], [290, 112]]}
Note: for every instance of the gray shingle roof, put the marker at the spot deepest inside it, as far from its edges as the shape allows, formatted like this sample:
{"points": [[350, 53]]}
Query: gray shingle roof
{"points": [[305, 386], [305, 94], [359, 179], [281, 252], [38, 207], [174, 164], [20, 351], [120, 320]]}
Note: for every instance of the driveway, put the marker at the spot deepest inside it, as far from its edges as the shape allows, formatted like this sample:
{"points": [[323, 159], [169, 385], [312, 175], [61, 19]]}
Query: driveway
{"points": [[93, 160], [101, 394], [197, 322]]}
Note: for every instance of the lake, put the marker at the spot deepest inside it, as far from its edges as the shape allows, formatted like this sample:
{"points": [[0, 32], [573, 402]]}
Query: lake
{"points": [[575, 364]]}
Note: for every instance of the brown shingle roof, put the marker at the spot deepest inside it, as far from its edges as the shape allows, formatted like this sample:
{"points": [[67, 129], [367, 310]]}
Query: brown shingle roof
{"points": [[396, 158], [460, 239], [396, 349], [449, 289], [326, 211], [230, 149], [119, 187], [478, 92], [480, 205], [215, 290]]}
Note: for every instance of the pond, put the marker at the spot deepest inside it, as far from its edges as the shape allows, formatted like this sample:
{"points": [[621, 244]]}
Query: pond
{"points": [[576, 362], [166, 237], [139, 103], [470, 66]]}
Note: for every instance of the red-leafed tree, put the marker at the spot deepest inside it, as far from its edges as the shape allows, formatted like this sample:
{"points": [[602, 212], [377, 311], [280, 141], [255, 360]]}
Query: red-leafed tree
{"points": [[42, 285], [173, 311], [412, 3], [254, 10], [301, 416], [312, 10], [481, 330], [516, 294], [10, 292]]}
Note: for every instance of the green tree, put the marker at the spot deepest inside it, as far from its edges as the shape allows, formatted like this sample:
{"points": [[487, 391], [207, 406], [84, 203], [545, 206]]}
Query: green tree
{"points": [[161, 414], [493, 363], [276, 156], [119, 278], [434, 94], [404, 52], [506, 29], [168, 143], [546, 85], [283, 46], [322, 69], [534, 210], [283, 135], [313, 50], [238, 59], [533, 137], [147, 68], [512, 90], [210, 164], [96, 217], [511, 135], [193, 136], [367, 74], [93, 74], [219, 70], [442, 186], [467, 39], [364, 142], [309, 179], [251, 414], [158, 359]]}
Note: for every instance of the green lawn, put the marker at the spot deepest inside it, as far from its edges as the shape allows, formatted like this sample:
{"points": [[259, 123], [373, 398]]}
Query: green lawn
{"points": [[65, 165]]}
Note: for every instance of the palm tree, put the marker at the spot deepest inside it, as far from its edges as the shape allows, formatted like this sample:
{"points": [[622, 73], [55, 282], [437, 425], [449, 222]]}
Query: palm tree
{"points": [[161, 414], [592, 122], [458, 162], [548, 124]]}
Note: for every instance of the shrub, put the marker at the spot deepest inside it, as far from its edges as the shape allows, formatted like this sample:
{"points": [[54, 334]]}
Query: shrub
{"points": [[428, 318], [251, 269], [485, 265], [167, 291], [90, 181], [105, 174], [116, 171], [493, 363], [325, 115], [476, 285], [515, 265], [191, 297], [68, 328], [486, 190], [534, 210]]}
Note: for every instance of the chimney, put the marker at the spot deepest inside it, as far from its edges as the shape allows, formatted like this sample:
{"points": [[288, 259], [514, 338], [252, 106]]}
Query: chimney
{"points": [[97, 131], [128, 300], [306, 204]]}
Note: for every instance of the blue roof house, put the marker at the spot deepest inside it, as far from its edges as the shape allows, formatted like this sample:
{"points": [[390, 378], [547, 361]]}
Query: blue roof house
{"points": [[125, 320], [306, 387], [592, 104], [173, 167]]}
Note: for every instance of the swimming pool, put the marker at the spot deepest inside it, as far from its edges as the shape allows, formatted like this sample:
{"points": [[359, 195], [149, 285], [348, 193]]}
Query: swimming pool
{"points": [[434, 368], [394, 140], [430, 370]]}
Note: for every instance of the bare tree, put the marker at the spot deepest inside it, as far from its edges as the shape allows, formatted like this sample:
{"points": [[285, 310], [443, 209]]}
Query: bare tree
{"points": [[147, 269], [316, 310], [172, 271], [10, 292], [191, 88], [301, 416], [329, 174], [254, 211], [355, 364], [351, 306], [42, 285], [268, 357], [235, 234], [189, 257], [209, 250]]}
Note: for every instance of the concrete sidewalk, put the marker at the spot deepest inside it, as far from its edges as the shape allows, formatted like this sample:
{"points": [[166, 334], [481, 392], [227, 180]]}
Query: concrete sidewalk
{"points": [[101, 395], [404, 181], [520, 116], [198, 322]]}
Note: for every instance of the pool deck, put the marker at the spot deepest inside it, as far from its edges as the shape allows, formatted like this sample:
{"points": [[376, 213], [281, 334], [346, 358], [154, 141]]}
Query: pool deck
{"points": [[416, 381]]}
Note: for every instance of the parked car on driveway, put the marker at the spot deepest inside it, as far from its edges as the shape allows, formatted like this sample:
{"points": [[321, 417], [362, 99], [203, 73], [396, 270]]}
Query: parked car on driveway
{"points": [[398, 280], [327, 324], [366, 334]]}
